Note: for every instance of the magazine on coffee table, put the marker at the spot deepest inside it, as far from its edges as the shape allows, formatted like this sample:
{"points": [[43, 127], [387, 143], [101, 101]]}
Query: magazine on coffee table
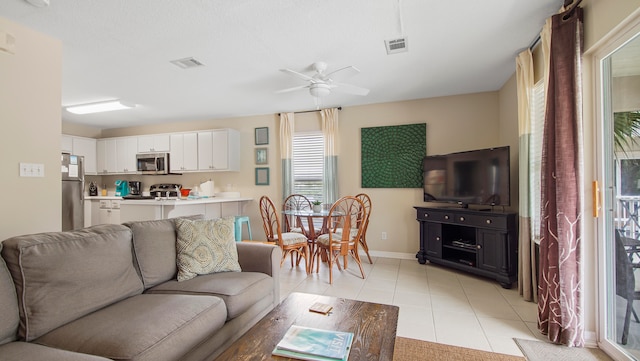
{"points": [[306, 343]]}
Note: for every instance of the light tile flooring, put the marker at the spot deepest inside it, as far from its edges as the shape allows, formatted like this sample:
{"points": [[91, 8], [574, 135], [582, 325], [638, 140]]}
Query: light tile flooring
{"points": [[437, 304]]}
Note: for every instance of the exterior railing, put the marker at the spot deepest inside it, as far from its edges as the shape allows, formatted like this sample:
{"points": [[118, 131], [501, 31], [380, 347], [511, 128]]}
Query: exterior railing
{"points": [[626, 215]]}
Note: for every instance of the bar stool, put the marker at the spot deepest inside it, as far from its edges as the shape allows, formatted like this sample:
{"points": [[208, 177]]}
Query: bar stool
{"points": [[240, 220]]}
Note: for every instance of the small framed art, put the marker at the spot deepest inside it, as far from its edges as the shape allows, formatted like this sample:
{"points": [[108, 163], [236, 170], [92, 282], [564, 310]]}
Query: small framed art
{"points": [[262, 156], [262, 136], [262, 176]]}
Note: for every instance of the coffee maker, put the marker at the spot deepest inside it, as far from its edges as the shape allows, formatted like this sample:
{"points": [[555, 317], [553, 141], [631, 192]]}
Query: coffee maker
{"points": [[122, 188], [135, 188]]}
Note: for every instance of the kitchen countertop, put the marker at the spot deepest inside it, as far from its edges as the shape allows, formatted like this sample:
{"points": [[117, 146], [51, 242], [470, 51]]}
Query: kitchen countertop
{"points": [[171, 201]]}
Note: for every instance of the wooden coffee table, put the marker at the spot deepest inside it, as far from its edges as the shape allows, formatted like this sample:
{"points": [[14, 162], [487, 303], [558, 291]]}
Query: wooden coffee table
{"points": [[373, 325]]}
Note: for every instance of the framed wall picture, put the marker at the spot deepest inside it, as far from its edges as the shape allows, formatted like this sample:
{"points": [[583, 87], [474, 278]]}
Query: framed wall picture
{"points": [[262, 176], [262, 136], [262, 156]]}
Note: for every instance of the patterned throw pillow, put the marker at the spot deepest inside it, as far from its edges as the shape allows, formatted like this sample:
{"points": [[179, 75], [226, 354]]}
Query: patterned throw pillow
{"points": [[205, 246]]}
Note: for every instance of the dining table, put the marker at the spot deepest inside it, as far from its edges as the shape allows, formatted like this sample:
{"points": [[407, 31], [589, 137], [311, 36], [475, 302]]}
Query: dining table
{"points": [[313, 223]]}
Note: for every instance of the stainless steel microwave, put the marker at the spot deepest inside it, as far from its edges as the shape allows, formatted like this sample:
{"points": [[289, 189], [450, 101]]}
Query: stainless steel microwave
{"points": [[153, 163]]}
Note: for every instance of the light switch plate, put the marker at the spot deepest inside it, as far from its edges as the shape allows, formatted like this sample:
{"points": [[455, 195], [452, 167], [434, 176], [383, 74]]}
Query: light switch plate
{"points": [[31, 170]]}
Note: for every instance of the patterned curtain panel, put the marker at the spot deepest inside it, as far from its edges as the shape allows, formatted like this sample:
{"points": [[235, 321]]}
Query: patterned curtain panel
{"points": [[330, 134], [286, 152], [560, 312], [527, 282]]}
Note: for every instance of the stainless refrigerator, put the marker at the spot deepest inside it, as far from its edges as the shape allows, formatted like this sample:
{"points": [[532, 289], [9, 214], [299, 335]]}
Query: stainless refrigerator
{"points": [[72, 192]]}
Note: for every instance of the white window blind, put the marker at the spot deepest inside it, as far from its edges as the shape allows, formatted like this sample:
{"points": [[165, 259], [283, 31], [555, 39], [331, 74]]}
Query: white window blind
{"points": [[535, 153], [308, 164]]}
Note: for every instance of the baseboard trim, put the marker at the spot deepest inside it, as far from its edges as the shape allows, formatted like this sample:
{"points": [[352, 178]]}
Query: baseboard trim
{"points": [[396, 255]]}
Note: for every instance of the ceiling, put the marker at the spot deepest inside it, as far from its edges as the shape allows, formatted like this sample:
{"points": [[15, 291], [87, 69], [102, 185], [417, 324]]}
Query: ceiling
{"points": [[121, 49]]}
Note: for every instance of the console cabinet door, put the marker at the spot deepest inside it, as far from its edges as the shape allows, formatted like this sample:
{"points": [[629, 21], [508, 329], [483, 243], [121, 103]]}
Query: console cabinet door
{"points": [[492, 255], [433, 239]]}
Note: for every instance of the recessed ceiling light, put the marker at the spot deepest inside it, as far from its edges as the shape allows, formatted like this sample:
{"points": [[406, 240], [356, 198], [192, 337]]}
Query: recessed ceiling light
{"points": [[99, 107]]}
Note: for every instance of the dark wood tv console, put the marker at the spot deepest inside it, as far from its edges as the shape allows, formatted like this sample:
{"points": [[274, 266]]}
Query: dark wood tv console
{"points": [[480, 242]]}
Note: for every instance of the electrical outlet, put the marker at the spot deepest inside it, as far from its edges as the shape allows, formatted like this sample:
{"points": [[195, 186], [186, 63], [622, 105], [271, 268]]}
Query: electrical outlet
{"points": [[384, 235]]}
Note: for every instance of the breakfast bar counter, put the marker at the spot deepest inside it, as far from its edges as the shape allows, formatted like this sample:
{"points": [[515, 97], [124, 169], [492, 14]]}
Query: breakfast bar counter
{"points": [[150, 209]]}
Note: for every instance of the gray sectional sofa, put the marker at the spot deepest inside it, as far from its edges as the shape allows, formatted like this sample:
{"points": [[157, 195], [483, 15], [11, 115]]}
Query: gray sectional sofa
{"points": [[110, 292]]}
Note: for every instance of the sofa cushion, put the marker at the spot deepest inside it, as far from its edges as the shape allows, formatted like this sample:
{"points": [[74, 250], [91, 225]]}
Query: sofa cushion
{"points": [[154, 244], [8, 306], [144, 327], [206, 246], [239, 290], [61, 276], [20, 351]]}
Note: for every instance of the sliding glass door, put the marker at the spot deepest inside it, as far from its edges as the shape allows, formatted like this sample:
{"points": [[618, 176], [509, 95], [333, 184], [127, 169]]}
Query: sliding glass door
{"points": [[619, 160]]}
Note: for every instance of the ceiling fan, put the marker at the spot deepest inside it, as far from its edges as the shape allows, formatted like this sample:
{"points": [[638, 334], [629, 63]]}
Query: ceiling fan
{"points": [[321, 83]]}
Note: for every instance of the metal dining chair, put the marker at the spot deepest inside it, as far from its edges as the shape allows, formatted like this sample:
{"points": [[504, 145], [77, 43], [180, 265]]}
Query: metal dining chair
{"points": [[291, 243], [345, 214]]}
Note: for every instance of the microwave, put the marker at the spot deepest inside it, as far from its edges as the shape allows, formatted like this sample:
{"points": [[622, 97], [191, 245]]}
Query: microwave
{"points": [[153, 163]]}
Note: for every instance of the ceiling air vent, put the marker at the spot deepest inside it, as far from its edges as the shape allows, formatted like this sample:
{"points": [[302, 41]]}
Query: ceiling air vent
{"points": [[187, 63], [398, 45]]}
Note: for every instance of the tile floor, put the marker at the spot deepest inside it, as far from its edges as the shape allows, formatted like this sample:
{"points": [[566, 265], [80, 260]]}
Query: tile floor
{"points": [[437, 304]]}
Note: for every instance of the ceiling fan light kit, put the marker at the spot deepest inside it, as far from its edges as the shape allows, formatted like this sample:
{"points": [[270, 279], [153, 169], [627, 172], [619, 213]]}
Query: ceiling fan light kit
{"points": [[319, 90], [321, 84]]}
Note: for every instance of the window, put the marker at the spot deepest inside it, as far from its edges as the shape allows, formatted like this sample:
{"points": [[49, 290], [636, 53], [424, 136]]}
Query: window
{"points": [[535, 152], [308, 164]]}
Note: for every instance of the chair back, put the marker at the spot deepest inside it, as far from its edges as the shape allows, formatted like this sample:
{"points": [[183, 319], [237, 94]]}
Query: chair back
{"points": [[270, 220], [625, 279], [294, 202], [346, 214], [366, 202]]}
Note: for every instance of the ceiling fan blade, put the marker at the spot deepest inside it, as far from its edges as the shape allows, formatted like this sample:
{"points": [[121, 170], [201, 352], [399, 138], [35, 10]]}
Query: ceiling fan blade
{"points": [[342, 73], [292, 89], [349, 89], [299, 75]]}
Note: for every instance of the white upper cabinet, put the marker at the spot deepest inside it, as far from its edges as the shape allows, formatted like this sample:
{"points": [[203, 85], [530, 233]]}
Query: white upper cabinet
{"points": [[117, 155], [106, 155], [154, 143], [126, 150], [219, 150], [85, 147], [184, 152], [66, 144]]}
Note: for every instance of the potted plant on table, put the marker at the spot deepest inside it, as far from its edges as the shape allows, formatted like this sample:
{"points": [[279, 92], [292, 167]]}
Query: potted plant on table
{"points": [[317, 206]]}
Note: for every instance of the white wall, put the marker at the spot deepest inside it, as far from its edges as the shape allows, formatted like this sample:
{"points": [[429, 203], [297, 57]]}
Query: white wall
{"points": [[30, 97]]}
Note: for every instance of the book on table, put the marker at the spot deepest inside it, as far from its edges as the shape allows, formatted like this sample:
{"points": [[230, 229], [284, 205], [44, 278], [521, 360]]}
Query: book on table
{"points": [[313, 344]]}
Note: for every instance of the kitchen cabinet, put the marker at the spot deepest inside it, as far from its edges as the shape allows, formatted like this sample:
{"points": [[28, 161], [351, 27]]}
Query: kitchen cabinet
{"points": [[184, 152], [109, 212], [219, 150], [479, 242], [117, 155], [154, 143], [126, 150], [66, 144], [85, 147]]}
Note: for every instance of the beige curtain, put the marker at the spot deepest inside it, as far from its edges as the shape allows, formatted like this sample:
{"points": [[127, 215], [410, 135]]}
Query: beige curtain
{"points": [[527, 270], [286, 152], [330, 134]]}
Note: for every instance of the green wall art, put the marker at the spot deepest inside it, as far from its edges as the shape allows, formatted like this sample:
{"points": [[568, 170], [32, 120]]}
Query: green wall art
{"points": [[392, 156]]}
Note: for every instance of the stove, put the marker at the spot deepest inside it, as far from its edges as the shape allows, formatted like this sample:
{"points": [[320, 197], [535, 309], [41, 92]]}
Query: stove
{"points": [[165, 190]]}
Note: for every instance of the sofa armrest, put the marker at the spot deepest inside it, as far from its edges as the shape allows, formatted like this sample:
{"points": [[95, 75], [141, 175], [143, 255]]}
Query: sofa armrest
{"points": [[258, 257], [265, 258]]}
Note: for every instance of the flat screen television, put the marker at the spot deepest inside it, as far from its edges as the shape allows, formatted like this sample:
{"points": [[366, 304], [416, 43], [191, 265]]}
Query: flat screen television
{"points": [[476, 177]]}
